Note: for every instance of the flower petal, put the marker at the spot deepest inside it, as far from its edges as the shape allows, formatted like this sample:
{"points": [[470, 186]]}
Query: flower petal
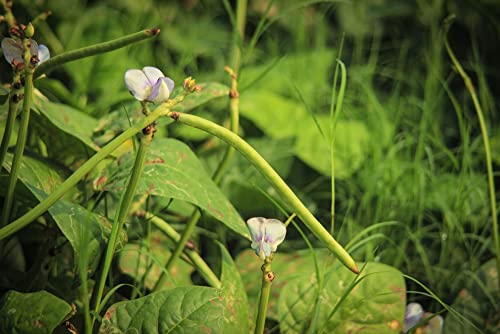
{"points": [[256, 228], [160, 91], [413, 314], [33, 48], [12, 50], [138, 84], [153, 74], [275, 232], [43, 53]]}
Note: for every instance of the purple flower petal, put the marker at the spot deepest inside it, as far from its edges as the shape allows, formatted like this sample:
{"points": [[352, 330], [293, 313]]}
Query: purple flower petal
{"points": [[160, 91]]}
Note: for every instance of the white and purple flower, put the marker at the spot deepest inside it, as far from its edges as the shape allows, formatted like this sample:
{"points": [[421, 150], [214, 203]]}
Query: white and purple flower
{"points": [[266, 235], [149, 84], [13, 51], [431, 324]]}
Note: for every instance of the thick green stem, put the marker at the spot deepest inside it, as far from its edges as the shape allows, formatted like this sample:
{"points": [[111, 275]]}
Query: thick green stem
{"points": [[273, 177], [22, 135], [197, 261], [487, 151], [94, 50], [123, 212], [14, 99], [81, 172], [265, 291]]}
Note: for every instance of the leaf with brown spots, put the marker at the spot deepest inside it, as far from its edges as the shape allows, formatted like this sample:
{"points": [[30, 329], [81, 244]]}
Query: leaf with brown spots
{"points": [[193, 309], [177, 173], [38, 313]]}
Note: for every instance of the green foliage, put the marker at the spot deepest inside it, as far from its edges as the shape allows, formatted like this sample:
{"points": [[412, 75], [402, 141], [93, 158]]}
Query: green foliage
{"points": [[195, 309], [37, 312], [411, 190], [374, 305], [172, 170], [236, 316], [478, 301], [145, 262]]}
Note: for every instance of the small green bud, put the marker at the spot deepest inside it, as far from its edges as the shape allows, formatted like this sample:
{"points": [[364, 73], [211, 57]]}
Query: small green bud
{"points": [[30, 31]]}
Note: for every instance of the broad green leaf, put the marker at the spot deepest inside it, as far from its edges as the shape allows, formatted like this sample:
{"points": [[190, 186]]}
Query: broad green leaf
{"points": [[24, 313], [69, 120], [375, 305], [209, 91], [192, 309], [146, 265], [350, 148], [277, 116], [74, 221], [172, 170], [236, 318], [478, 302]]}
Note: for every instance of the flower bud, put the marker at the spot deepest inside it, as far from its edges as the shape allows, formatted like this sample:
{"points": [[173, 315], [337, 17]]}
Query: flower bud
{"points": [[29, 31]]}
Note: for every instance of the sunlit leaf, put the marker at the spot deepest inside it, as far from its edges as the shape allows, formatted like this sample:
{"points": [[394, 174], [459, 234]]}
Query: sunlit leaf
{"points": [[375, 305], [350, 149], [277, 116], [192, 309], [38, 312]]}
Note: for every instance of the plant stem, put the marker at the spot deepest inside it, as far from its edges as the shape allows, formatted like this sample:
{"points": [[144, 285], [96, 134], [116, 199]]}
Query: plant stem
{"points": [[123, 212], [81, 172], [94, 50], [273, 177], [8, 16], [228, 155], [239, 34], [11, 116], [265, 291], [198, 262], [22, 135], [487, 151]]}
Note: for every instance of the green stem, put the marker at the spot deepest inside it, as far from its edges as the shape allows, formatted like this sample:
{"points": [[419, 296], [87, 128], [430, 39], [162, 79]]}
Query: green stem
{"points": [[11, 117], [273, 177], [123, 212], [94, 50], [198, 262], [8, 16], [239, 34], [265, 291], [487, 151], [81, 172], [22, 135]]}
